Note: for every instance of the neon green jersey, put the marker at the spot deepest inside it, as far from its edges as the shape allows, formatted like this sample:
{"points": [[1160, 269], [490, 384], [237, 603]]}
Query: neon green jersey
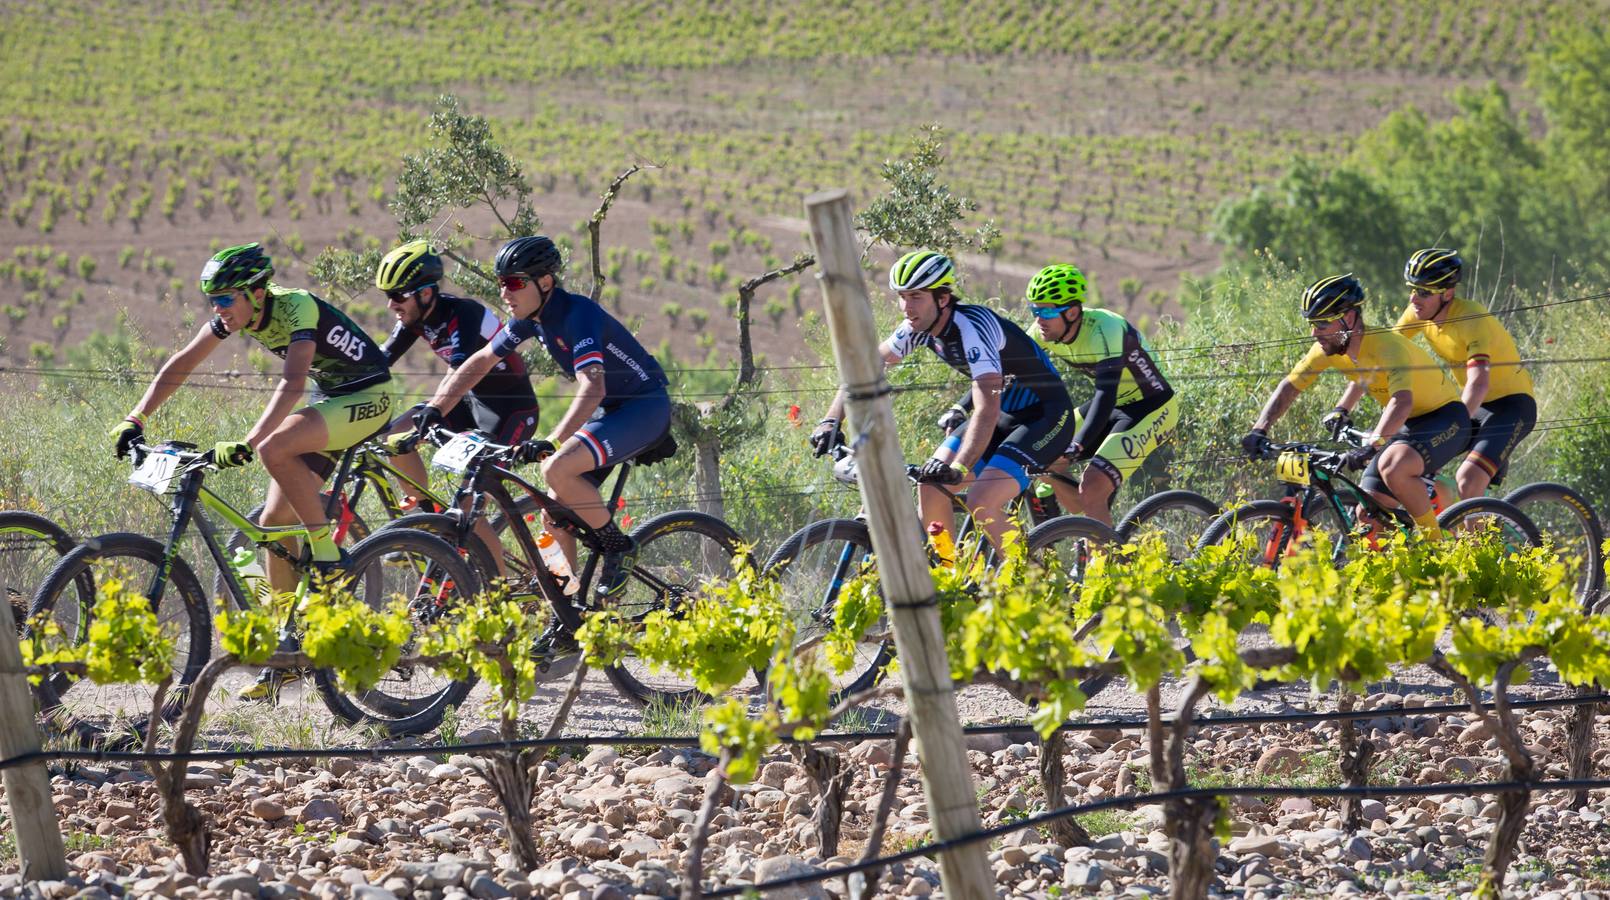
{"points": [[345, 358]]}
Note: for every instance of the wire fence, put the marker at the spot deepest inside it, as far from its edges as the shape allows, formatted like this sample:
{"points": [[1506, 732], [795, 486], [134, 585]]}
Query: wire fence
{"points": [[380, 752]]}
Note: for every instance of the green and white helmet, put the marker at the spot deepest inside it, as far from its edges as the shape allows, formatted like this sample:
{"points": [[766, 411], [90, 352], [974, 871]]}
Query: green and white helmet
{"points": [[1057, 285], [235, 268], [922, 270]]}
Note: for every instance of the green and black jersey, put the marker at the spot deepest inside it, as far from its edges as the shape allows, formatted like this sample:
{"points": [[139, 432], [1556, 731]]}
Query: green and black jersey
{"points": [[345, 359]]}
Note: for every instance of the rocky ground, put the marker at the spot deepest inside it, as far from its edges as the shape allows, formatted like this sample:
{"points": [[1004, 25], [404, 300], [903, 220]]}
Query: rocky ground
{"points": [[615, 823]]}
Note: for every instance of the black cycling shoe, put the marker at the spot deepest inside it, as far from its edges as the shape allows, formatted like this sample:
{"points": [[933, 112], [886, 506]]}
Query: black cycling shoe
{"points": [[328, 569], [614, 571]]}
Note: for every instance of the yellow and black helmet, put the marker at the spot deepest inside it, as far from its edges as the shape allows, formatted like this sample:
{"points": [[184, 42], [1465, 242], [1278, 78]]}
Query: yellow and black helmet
{"points": [[922, 270], [408, 268], [1328, 299], [1435, 269]]}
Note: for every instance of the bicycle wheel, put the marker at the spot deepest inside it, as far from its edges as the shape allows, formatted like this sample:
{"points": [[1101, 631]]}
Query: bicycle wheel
{"points": [[445, 526], [1268, 524], [1066, 545], [812, 566], [182, 611], [428, 575], [30, 546], [1481, 512], [1565, 518], [356, 531], [1178, 515], [676, 553]]}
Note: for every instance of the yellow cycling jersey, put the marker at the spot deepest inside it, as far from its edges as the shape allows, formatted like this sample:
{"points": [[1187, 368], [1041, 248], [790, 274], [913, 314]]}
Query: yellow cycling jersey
{"points": [[1472, 334], [1387, 363]]}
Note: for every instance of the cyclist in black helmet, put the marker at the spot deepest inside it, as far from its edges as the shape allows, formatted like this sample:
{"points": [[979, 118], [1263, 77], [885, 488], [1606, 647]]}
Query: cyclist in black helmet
{"points": [[1422, 426], [621, 407]]}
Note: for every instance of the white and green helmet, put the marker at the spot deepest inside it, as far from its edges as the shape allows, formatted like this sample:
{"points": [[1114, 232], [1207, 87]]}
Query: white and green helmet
{"points": [[922, 270]]}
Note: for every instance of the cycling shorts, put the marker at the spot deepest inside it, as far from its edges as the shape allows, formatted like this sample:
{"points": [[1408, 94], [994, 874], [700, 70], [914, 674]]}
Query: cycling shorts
{"points": [[1132, 433], [1438, 436], [353, 418], [618, 432], [1498, 426], [1028, 438]]}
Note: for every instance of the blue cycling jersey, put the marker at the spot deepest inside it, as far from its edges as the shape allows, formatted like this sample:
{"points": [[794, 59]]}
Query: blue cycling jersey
{"points": [[578, 333]]}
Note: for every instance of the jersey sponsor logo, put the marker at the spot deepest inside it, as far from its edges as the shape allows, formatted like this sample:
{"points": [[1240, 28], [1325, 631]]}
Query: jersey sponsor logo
{"points": [[1141, 363], [583, 343], [369, 409], [349, 343], [973, 354], [1053, 433], [1142, 444], [630, 363]]}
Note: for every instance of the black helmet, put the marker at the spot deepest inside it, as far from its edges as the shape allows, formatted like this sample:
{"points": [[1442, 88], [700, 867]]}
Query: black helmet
{"points": [[534, 256], [1433, 270], [408, 268], [1329, 298], [234, 268]]}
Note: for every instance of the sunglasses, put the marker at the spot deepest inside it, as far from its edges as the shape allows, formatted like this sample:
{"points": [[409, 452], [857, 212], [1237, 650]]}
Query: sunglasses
{"points": [[400, 296], [221, 301], [1050, 312], [1422, 292], [513, 282]]}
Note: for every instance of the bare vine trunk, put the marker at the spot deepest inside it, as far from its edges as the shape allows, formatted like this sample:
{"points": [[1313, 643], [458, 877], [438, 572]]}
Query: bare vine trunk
{"points": [[864, 884], [707, 476], [1191, 820], [715, 787], [1579, 743], [826, 768], [510, 774], [1066, 832], [1356, 758], [183, 824]]}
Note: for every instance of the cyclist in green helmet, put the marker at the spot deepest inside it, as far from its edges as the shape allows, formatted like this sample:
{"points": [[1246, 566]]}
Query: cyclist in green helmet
{"points": [[1133, 409], [352, 395]]}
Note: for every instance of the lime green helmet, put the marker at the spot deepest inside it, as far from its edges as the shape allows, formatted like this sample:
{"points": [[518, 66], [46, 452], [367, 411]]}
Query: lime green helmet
{"points": [[408, 268], [1057, 285], [236, 268], [922, 270]]}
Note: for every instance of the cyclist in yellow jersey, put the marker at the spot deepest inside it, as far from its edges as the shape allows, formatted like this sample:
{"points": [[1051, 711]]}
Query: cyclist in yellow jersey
{"points": [[1483, 358], [1133, 409], [1423, 425]]}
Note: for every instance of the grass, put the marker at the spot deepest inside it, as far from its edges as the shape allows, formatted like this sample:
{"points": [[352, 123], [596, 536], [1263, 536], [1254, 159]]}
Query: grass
{"points": [[74, 841], [1105, 822]]}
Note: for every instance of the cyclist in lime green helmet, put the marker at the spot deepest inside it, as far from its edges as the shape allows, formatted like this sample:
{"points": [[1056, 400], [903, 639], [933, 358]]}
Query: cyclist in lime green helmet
{"points": [[1133, 409], [352, 396]]}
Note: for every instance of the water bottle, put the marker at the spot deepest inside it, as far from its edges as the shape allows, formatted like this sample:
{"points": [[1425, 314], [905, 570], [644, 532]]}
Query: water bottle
{"points": [[943, 547], [251, 574], [553, 556]]}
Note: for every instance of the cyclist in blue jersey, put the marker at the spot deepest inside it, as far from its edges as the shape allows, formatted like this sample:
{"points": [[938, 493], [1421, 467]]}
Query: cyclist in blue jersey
{"points": [[621, 407], [1022, 414]]}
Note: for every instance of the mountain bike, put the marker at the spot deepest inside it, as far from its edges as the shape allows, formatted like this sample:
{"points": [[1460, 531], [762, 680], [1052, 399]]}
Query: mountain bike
{"points": [[677, 553], [1317, 494], [419, 568], [815, 563]]}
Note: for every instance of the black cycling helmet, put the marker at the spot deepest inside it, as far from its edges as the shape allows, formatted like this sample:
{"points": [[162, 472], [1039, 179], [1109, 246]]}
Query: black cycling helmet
{"points": [[232, 268], [408, 268], [533, 256], [1435, 269], [1328, 299]]}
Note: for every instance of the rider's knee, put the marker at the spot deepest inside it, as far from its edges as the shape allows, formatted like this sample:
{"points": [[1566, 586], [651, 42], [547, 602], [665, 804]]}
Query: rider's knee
{"points": [[1400, 462]]}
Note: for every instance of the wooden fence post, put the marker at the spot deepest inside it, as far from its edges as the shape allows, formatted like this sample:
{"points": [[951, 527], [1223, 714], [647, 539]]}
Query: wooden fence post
{"points": [[33, 815], [908, 589]]}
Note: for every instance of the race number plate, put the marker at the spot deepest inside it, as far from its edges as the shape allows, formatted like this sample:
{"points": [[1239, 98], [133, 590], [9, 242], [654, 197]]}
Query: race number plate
{"points": [[459, 452], [1292, 468], [155, 473]]}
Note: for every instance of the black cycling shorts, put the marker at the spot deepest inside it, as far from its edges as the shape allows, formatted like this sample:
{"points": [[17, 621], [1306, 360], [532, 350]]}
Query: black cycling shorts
{"points": [[1438, 436], [1498, 427], [1032, 437]]}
